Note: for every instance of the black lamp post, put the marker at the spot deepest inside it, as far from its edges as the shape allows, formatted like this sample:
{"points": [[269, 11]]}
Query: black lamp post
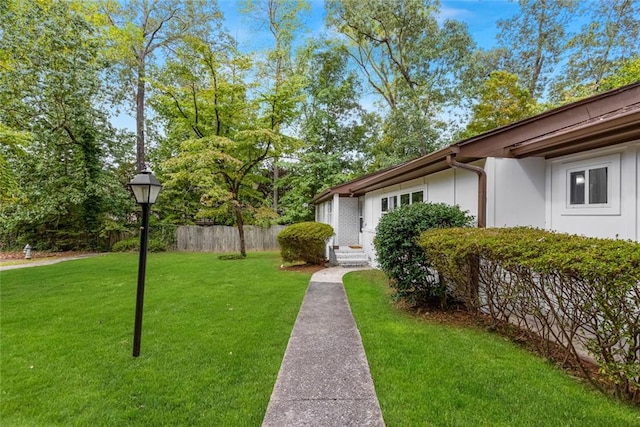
{"points": [[145, 188]]}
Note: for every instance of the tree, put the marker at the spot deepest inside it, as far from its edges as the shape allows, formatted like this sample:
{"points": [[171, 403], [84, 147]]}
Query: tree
{"points": [[11, 149], [223, 168], [336, 130], [627, 72], [142, 31], [410, 60], [611, 37], [502, 101], [215, 141], [281, 85], [51, 90], [534, 40]]}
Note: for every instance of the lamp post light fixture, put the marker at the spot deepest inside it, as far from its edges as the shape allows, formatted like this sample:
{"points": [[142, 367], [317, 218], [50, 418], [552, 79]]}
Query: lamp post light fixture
{"points": [[145, 188]]}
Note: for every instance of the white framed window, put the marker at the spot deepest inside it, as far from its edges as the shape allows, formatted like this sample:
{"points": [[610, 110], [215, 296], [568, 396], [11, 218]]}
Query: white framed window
{"points": [[387, 204], [592, 187], [413, 197]]}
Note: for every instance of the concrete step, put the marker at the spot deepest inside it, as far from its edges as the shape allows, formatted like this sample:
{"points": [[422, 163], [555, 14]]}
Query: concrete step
{"points": [[351, 258]]}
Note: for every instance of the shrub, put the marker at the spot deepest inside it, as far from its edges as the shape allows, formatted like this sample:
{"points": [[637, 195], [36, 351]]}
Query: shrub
{"points": [[399, 255], [133, 244], [230, 257], [304, 241], [577, 292]]}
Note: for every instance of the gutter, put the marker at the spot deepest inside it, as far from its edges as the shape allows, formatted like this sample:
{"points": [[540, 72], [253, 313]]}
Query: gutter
{"points": [[482, 186]]}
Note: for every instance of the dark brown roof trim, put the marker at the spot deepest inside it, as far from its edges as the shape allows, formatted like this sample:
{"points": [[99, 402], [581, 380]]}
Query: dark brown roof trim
{"points": [[498, 142], [602, 120]]}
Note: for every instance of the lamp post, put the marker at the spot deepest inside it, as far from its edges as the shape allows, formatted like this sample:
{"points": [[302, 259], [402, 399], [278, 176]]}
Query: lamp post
{"points": [[145, 188]]}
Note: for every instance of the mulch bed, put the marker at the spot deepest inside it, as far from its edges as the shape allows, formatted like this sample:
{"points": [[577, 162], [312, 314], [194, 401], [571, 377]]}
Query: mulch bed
{"points": [[303, 268], [37, 255]]}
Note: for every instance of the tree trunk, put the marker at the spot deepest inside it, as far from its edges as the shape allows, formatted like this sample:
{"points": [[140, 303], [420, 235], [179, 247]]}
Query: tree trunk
{"points": [[276, 177], [240, 225], [140, 94]]}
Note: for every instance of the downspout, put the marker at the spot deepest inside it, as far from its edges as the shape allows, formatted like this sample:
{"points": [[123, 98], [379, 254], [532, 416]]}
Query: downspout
{"points": [[474, 260], [482, 186]]}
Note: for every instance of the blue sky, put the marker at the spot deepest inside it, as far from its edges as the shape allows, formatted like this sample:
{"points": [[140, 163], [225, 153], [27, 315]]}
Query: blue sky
{"points": [[481, 17]]}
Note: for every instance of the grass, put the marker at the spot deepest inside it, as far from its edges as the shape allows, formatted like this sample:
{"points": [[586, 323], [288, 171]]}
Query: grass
{"points": [[213, 338], [435, 375]]}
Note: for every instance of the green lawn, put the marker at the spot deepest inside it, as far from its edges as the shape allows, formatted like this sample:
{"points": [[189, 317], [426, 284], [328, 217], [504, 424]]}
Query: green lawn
{"points": [[434, 375], [213, 339]]}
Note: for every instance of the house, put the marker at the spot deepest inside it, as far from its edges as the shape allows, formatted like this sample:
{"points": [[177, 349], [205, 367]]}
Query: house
{"points": [[573, 169]]}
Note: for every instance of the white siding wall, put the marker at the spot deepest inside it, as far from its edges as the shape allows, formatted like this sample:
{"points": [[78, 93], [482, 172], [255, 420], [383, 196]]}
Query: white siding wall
{"points": [[619, 218], [455, 187], [451, 186], [516, 192], [520, 192]]}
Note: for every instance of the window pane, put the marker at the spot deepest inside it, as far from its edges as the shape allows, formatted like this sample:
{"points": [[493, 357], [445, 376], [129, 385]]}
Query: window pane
{"points": [[404, 199], [598, 185], [417, 197], [577, 188], [385, 204]]}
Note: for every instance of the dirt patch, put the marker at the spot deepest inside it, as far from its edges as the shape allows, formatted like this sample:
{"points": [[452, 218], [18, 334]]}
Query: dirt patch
{"points": [[303, 268]]}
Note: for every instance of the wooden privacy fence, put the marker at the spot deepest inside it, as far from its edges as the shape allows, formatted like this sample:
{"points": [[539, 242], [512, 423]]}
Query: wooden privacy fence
{"points": [[221, 238]]}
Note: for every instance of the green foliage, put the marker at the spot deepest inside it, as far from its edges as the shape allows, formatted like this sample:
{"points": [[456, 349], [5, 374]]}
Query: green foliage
{"points": [[11, 147], [627, 72], [304, 241], [534, 39], [137, 32], [501, 101], [51, 84], [314, 173], [610, 36], [399, 255], [337, 131], [411, 59], [133, 245], [576, 291]]}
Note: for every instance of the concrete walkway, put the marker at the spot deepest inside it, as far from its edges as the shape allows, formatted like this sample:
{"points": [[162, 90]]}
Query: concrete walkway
{"points": [[45, 261], [324, 379]]}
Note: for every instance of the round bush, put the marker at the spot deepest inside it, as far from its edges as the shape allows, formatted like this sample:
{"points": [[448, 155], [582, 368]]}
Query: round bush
{"points": [[304, 241], [399, 255]]}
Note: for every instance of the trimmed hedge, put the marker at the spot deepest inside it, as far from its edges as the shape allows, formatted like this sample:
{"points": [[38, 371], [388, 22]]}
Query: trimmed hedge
{"points": [[579, 292], [401, 258], [304, 241]]}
